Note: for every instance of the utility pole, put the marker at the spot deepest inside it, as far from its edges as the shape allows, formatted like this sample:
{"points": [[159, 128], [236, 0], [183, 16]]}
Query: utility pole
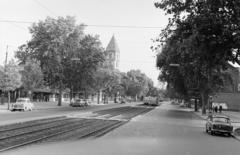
{"points": [[6, 57], [5, 76]]}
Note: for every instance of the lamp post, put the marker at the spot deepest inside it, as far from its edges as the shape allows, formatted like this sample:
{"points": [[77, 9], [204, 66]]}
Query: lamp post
{"points": [[74, 59], [174, 65]]}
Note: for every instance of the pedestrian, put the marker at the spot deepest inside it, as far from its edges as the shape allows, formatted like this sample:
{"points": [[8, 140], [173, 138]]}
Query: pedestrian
{"points": [[220, 109], [216, 109]]}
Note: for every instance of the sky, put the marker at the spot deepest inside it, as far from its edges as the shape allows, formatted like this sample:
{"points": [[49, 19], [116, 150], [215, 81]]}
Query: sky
{"points": [[134, 43]]}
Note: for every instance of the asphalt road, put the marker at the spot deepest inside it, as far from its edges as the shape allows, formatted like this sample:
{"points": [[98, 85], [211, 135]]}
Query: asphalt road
{"points": [[167, 130], [170, 130]]}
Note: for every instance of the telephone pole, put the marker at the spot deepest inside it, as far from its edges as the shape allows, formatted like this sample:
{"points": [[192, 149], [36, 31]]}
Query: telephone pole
{"points": [[5, 71], [6, 58]]}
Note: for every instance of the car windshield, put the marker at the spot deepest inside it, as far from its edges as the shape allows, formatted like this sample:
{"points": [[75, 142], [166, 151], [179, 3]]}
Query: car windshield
{"points": [[221, 119]]}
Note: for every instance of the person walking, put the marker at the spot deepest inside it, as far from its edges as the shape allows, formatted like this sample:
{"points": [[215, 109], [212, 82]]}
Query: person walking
{"points": [[220, 109], [216, 109]]}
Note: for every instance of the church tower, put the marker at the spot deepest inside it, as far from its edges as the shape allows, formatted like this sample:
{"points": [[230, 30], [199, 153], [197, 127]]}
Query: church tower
{"points": [[112, 54]]}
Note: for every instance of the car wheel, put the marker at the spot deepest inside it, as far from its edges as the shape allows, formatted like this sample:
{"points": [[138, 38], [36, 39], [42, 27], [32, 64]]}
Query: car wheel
{"points": [[211, 132], [206, 129], [229, 134]]}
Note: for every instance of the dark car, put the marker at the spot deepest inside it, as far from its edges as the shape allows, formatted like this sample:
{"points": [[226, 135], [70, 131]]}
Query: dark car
{"points": [[219, 124]]}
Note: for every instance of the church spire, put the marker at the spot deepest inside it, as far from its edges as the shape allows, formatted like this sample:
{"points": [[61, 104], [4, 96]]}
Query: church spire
{"points": [[112, 45], [112, 54]]}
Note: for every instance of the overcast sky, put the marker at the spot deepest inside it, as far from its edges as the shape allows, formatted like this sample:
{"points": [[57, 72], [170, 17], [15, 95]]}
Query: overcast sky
{"points": [[134, 43]]}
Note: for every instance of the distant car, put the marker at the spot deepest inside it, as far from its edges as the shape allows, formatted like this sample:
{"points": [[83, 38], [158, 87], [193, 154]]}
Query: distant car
{"points": [[23, 104], [160, 99], [122, 100], [219, 124], [80, 102], [87, 102]]}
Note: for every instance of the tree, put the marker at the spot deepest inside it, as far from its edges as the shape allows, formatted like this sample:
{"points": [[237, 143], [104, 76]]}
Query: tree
{"points": [[81, 65], [153, 91], [205, 36], [53, 40], [107, 81], [138, 83], [32, 76], [10, 78]]}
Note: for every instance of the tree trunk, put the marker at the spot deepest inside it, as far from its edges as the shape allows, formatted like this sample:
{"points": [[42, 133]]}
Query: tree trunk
{"points": [[204, 96], [105, 98], [98, 97], [71, 95], [115, 98], [187, 100], [195, 105], [60, 95], [9, 100]]}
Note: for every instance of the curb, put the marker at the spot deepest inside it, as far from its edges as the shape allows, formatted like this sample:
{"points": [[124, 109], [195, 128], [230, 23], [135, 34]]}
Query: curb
{"points": [[235, 135]]}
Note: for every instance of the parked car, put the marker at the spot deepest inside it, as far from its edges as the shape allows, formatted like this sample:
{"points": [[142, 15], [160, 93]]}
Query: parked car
{"points": [[122, 101], [219, 124], [87, 102], [23, 104], [79, 102]]}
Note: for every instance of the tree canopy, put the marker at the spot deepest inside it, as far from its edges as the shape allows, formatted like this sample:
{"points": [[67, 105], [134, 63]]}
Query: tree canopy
{"points": [[10, 78], [202, 36], [57, 44], [32, 76]]}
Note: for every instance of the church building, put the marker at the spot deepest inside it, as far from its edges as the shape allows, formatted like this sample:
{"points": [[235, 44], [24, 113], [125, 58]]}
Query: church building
{"points": [[112, 53]]}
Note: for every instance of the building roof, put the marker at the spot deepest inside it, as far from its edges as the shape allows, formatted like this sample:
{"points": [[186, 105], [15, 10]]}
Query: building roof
{"points": [[112, 45]]}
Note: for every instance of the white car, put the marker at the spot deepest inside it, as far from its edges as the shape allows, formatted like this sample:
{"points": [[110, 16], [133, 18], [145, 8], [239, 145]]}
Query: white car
{"points": [[23, 104]]}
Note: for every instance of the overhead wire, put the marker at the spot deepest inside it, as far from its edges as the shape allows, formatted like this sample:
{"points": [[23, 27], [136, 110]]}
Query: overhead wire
{"points": [[91, 25], [45, 7], [18, 26]]}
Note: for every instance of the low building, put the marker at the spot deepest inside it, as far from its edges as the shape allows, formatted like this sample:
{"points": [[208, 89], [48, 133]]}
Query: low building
{"points": [[230, 93]]}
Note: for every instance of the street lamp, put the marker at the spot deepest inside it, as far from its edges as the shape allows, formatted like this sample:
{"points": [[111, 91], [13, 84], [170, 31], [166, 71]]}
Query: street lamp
{"points": [[174, 65], [74, 59]]}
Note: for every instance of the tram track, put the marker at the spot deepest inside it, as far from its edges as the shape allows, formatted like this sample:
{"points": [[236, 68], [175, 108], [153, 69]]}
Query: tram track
{"points": [[65, 128]]}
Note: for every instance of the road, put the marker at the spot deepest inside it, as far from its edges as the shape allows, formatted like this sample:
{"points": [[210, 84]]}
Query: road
{"points": [[170, 130], [165, 130], [17, 116]]}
